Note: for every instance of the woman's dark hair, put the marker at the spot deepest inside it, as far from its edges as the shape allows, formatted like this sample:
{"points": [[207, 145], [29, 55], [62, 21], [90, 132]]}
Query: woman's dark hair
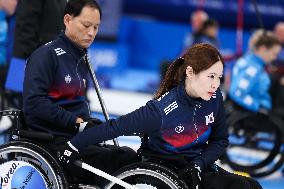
{"points": [[74, 7], [200, 57]]}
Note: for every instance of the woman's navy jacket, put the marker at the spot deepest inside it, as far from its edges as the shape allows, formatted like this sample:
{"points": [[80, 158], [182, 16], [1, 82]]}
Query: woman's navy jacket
{"points": [[175, 124]]}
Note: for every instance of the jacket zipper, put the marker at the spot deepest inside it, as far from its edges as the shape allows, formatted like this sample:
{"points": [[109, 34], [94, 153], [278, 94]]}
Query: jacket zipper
{"points": [[78, 78], [194, 122]]}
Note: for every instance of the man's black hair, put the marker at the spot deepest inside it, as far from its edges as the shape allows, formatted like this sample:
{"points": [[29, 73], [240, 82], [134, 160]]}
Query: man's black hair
{"points": [[74, 7]]}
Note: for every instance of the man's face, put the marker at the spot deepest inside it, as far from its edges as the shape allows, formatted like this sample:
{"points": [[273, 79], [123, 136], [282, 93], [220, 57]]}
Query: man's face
{"points": [[83, 29]]}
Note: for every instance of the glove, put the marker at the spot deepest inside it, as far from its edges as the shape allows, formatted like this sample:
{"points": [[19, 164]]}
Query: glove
{"points": [[91, 122], [94, 121], [67, 154], [193, 173]]}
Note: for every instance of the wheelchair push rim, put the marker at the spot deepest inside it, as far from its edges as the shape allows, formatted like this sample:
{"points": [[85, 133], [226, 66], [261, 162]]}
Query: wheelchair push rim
{"points": [[148, 175], [256, 146], [38, 168]]}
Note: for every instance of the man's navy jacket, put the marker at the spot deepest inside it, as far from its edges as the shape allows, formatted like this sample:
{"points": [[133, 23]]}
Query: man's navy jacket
{"points": [[54, 87], [175, 124]]}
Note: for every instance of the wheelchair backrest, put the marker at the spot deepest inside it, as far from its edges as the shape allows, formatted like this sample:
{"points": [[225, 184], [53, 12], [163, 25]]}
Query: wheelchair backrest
{"points": [[21, 131]]}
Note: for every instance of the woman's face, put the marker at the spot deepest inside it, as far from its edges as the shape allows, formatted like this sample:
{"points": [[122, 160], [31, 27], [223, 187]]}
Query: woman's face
{"points": [[270, 54], [205, 83]]}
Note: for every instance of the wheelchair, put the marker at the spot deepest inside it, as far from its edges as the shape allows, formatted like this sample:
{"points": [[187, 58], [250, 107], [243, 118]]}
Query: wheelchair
{"points": [[26, 163], [255, 141]]}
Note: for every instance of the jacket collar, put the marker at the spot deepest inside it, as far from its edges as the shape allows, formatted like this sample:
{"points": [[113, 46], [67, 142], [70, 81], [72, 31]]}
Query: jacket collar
{"points": [[184, 97], [76, 51], [253, 57]]}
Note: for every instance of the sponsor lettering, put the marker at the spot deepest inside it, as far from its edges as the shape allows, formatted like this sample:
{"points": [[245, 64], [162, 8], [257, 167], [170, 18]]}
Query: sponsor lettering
{"points": [[28, 178], [8, 175]]}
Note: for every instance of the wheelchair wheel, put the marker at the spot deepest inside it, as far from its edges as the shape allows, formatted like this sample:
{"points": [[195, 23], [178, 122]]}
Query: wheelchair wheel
{"points": [[253, 145], [273, 166], [27, 165], [148, 175]]}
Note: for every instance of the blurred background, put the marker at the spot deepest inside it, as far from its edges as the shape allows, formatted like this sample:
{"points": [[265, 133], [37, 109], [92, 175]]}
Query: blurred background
{"points": [[136, 37]]}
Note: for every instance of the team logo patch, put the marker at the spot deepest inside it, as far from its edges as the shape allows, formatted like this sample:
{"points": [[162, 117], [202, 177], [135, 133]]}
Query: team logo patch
{"points": [[67, 153], [59, 51], [209, 118], [179, 129], [170, 107], [68, 79]]}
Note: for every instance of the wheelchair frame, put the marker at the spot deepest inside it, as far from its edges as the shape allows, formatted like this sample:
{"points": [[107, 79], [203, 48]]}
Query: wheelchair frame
{"points": [[26, 152], [252, 137]]}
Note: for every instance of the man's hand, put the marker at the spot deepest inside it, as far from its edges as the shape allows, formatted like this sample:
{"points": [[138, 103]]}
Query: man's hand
{"points": [[92, 122], [193, 173], [79, 120], [67, 154]]}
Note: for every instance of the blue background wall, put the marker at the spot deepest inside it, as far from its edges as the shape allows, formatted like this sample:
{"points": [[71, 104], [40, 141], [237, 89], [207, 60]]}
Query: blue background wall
{"points": [[141, 45]]}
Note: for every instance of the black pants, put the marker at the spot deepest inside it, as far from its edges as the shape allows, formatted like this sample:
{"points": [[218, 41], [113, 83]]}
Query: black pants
{"points": [[108, 158], [226, 180]]}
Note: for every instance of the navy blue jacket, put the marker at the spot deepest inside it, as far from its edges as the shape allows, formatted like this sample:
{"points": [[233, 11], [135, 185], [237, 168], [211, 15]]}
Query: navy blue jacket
{"points": [[54, 87], [175, 124]]}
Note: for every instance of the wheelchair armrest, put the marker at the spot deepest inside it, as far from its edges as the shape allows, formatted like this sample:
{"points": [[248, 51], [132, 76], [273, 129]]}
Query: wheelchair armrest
{"points": [[33, 135]]}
